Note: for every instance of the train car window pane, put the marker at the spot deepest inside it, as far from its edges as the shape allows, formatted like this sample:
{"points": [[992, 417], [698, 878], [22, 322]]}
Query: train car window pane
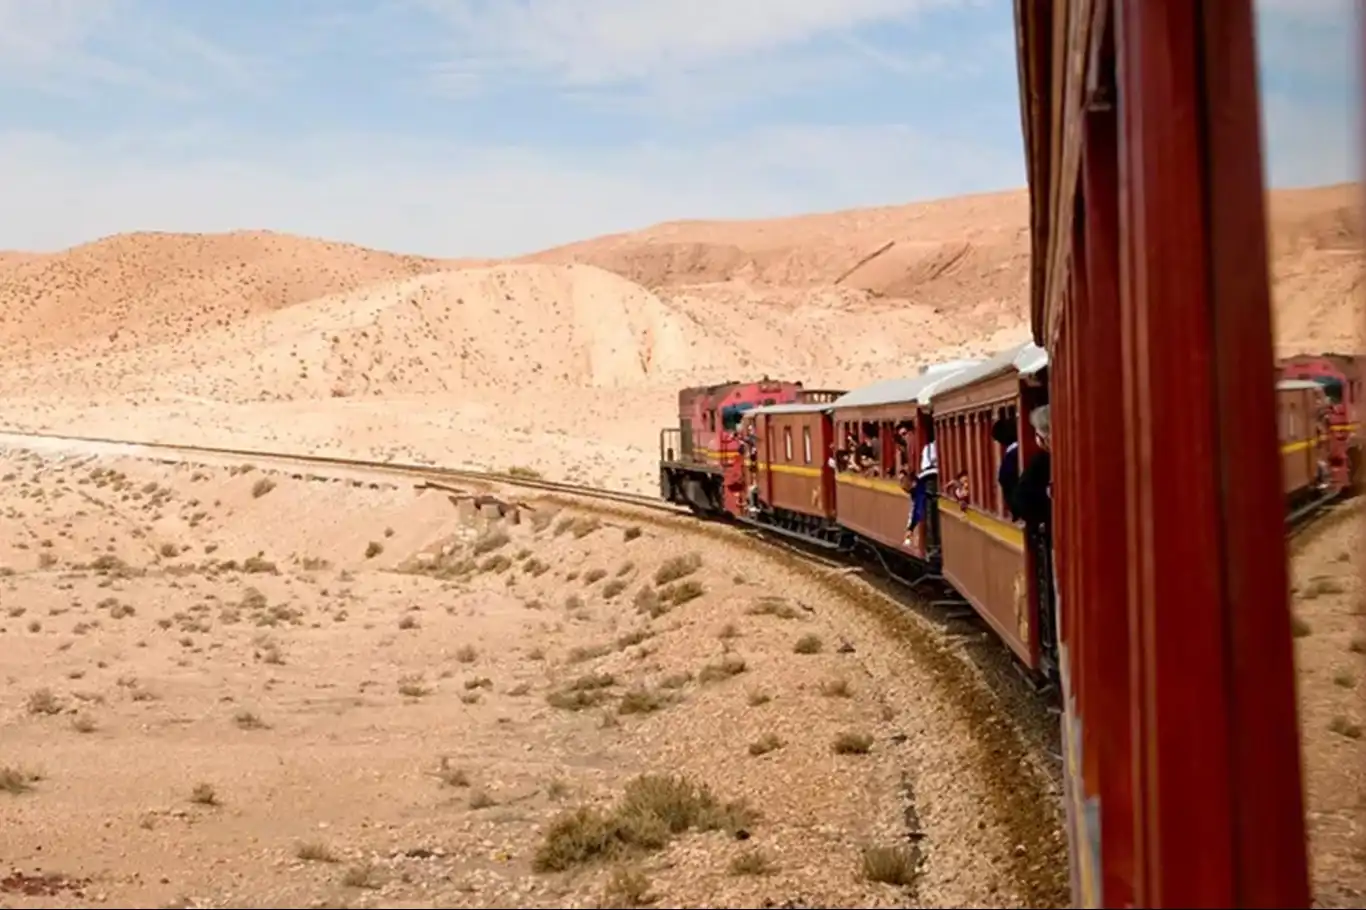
{"points": [[806, 444], [787, 444]]}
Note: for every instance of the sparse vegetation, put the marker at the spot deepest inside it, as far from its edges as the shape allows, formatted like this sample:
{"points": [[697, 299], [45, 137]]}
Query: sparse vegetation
{"points": [[588, 691], [314, 852], [677, 567], [204, 795], [772, 606], [16, 780], [890, 865], [642, 701], [769, 742], [836, 688], [652, 811], [627, 888], [723, 669], [853, 744], [1344, 727]]}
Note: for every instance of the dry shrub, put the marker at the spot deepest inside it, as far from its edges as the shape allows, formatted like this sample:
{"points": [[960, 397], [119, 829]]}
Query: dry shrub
{"points": [[652, 811], [677, 567], [724, 669], [890, 865], [582, 693]]}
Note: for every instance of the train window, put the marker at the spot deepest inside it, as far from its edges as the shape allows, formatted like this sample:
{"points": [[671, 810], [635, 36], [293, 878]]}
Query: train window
{"points": [[1331, 387], [787, 444], [732, 414]]}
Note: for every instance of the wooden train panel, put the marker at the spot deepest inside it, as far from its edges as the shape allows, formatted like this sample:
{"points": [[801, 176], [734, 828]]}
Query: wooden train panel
{"points": [[984, 560], [1149, 282], [794, 441], [877, 509], [1298, 405]]}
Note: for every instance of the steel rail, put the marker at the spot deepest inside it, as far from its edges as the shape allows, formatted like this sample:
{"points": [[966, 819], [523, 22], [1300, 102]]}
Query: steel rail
{"points": [[410, 469]]}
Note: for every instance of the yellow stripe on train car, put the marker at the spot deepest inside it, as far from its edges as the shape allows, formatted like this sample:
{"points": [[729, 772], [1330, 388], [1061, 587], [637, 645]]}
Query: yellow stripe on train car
{"points": [[878, 484], [795, 470], [1006, 532]]}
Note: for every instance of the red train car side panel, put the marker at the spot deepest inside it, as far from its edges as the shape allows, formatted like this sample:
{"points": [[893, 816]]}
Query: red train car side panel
{"points": [[1184, 323], [794, 441]]}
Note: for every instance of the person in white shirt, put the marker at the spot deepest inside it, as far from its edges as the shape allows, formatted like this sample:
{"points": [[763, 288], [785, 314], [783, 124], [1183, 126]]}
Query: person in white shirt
{"points": [[925, 495]]}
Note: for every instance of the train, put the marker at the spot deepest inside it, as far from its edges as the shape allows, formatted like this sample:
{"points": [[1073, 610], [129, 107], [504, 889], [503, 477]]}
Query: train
{"points": [[1340, 376], [838, 470], [1149, 293]]}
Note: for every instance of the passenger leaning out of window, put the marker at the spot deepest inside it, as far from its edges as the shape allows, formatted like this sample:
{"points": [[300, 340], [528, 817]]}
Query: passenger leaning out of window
{"points": [[1006, 435]]}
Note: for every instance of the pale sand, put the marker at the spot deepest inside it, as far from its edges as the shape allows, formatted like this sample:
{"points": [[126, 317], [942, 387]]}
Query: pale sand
{"points": [[238, 688]]}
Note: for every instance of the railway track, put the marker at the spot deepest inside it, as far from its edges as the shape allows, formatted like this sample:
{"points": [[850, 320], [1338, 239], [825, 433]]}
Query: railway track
{"points": [[1306, 516], [406, 469]]}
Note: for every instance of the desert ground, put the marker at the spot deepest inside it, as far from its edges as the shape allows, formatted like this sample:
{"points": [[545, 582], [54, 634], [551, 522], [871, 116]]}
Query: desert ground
{"points": [[1330, 651], [244, 686], [240, 687]]}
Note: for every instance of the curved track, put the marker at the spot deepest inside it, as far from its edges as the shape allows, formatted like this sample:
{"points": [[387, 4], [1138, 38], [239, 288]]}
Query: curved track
{"points": [[512, 478]]}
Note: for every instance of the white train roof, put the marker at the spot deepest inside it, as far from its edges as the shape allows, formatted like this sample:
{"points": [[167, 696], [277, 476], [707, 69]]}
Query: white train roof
{"points": [[1026, 359], [907, 390]]}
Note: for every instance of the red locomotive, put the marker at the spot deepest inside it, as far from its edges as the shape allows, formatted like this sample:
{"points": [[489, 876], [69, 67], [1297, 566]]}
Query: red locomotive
{"points": [[699, 460]]}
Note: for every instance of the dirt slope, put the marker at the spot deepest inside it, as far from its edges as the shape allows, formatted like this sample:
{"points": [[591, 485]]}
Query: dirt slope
{"points": [[135, 289]]}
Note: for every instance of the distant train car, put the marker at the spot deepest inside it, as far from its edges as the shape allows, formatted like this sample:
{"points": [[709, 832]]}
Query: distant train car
{"points": [[699, 460], [984, 552], [793, 476], [1301, 417], [1341, 377], [891, 422], [790, 476]]}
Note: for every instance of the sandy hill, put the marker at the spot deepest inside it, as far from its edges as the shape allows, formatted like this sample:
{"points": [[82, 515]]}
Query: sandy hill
{"points": [[974, 244], [580, 349], [969, 255], [134, 289], [1316, 237]]}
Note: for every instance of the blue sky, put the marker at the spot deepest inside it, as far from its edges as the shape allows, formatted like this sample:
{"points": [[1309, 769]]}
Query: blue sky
{"points": [[493, 127]]}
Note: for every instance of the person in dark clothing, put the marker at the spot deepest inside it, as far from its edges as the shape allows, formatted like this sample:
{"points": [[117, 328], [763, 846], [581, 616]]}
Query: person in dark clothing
{"points": [[1005, 434], [1032, 503]]}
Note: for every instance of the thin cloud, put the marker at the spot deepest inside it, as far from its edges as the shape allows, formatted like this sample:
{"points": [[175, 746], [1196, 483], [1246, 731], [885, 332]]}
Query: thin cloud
{"points": [[593, 43]]}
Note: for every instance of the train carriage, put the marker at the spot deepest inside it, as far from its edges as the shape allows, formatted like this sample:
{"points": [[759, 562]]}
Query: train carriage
{"points": [[984, 552], [1341, 378], [874, 503], [1300, 408], [796, 486]]}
